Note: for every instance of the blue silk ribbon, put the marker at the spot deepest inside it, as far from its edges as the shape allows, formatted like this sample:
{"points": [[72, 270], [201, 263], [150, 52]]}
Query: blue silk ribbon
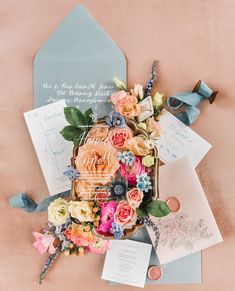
{"points": [[23, 201], [190, 100]]}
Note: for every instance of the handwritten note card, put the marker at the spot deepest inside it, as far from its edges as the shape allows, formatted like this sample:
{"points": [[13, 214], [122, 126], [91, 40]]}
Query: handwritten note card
{"points": [[45, 124], [178, 140], [126, 262]]}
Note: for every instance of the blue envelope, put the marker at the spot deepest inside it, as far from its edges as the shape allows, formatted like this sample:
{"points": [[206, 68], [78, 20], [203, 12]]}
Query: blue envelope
{"points": [[77, 63]]}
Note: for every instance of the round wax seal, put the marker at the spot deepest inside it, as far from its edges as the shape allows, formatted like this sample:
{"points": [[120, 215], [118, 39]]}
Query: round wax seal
{"points": [[173, 203], [154, 272]]}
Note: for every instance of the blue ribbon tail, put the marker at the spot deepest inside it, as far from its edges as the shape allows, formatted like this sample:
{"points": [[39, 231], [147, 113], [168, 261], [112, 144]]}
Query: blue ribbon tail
{"points": [[23, 201], [190, 114]]}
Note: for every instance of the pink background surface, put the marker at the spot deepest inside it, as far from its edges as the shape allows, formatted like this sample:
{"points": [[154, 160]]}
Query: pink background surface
{"points": [[192, 40]]}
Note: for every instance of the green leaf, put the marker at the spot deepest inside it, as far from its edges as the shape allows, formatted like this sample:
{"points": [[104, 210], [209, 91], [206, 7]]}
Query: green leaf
{"points": [[78, 139], [141, 212], [69, 132], [158, 208], [74, 116], [88, 115]]}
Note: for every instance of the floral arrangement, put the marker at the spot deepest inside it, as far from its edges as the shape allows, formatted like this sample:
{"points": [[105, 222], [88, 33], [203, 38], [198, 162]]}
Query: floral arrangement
{"points": [[114, 174]]}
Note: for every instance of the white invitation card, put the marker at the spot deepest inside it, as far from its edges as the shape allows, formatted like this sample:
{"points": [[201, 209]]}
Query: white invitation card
{"points": [[127, 262]]}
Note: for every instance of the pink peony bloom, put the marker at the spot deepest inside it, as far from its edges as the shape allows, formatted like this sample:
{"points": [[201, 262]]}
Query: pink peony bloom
{"points": [[107, 216], [129, 172], [125, 215], [44, 242], [98, 245]]}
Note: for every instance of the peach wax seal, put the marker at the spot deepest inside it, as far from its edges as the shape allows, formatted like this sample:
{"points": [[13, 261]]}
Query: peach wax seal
{"points": [[173, 203], [154, 272]]}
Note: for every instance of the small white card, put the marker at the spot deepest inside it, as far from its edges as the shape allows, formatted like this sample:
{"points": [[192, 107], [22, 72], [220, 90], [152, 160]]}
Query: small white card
{"points": [[178, 140], [53, 152], [193, 227], [127, 262]]}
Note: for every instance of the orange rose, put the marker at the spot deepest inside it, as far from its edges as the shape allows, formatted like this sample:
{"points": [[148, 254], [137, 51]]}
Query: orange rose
{"points": [[125, 215], [137, 146], [118, 137], [97, 162]]}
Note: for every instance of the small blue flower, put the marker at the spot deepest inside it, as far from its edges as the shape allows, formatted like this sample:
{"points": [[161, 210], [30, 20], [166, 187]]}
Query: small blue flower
{"points": [[115, 119], [71, 173], [116, 230], [126, 157], [144, 182]]}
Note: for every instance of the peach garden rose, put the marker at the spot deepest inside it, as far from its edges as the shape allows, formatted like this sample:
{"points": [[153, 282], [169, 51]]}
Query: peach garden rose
{"points": [[134, 197], [137, 145], [125, 104], [97, 162], [125, 215]]}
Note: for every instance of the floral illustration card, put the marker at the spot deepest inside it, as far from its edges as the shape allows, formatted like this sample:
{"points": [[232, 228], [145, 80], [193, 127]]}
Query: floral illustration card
{"points": [[193, 227]]}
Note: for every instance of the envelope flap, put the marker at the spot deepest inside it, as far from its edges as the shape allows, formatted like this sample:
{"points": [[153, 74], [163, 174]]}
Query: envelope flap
{"points": [[79, 38]]}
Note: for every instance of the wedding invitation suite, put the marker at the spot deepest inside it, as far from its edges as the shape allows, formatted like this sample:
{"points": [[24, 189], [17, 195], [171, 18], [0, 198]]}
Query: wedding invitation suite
{"points": [[193, 227], [53, 152], [127, 262], [179, 140]]}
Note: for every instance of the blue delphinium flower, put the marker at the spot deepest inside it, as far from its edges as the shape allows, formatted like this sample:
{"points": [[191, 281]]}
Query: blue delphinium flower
{"points": [[115, 119], [71, 173], [144, 182], [116, 230], [126, 157]]}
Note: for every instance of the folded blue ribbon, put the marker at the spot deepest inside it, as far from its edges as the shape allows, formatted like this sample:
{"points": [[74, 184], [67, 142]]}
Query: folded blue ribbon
{"points": [[23, 201], [190, 100]]}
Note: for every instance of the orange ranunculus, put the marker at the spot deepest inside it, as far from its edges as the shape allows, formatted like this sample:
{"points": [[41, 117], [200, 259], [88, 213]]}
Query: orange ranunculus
{"points": [[137, 146], [79, 236], [97, 162]]}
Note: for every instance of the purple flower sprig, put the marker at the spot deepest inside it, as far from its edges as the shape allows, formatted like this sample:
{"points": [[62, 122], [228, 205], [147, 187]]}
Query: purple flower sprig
{"points": [[71, 173], [116, 230], [115, 119]]}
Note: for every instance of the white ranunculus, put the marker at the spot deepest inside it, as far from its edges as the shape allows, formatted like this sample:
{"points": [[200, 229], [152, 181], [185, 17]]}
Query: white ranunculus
{"points": [[81, 210]]}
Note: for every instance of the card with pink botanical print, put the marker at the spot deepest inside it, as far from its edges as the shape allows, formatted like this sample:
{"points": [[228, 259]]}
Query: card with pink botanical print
{"points": [[190, 226]]}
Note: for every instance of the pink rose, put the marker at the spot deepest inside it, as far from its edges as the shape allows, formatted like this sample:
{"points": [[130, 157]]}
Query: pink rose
{"points": [[130, 172], [118, 137], [125, 215], [107, 216], [98, 245], [134, 197], [117, 97]]}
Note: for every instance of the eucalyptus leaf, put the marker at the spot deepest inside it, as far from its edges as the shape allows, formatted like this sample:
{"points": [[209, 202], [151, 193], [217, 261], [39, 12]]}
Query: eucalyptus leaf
{"points": [[158, 208], [88, 115], [69, 132], [74, 116], [141, 212]]}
